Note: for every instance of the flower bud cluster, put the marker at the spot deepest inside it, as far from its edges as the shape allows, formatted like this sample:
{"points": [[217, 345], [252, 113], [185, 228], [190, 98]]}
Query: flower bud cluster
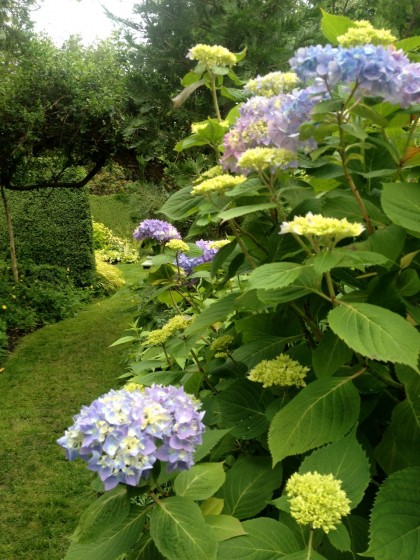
{"points": [[364, 33], [160, 336], [320, 226], [212, 55], [177, 245], [123, 433], [218, 184], [158, 230], [221, 344], [272, 84], [281, 372], [317, 500], [257, 159]]}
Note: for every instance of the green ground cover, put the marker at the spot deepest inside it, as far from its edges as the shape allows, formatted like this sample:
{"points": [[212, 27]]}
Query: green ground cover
{"points": [[52, 373]]}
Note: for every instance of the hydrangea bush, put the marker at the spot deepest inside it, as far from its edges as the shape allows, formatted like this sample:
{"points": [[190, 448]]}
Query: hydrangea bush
{"points": [[298, 331]]}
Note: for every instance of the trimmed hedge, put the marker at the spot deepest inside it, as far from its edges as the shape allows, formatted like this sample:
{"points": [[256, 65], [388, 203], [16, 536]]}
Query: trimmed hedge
{"points": [[52, 226]]}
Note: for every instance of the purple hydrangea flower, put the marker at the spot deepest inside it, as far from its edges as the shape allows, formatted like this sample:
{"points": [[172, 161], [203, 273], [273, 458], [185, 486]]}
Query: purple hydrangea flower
{"points": [[273, 122], [156, 229], [188, 263], [123, 433]]}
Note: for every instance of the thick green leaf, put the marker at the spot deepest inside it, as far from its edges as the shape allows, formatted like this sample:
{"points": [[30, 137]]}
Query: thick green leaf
{"points": [[180, 532], [145, 549], [399, 447], [217, 311], [340, 538], [181, 204], [105, 513], [275, 275], [409, 44], [249, 486], [401, 203], [346, 258], [266, 348], [266, 539], [201, 481], [225, 526], [388, 241], [242, 408], [333, 26], [395, 518], [244, 210], [376, 332], [210, 439], [305, 555], [322, 412], [347, 461], [330, 355], [112, 542], [212, 506]]}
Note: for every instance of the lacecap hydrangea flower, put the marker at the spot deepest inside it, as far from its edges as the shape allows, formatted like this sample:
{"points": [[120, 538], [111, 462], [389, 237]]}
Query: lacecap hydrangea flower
{"points": [[122, 434], [282, 371], [317, 500], [158, 230], [212, 55], [322, 227]]}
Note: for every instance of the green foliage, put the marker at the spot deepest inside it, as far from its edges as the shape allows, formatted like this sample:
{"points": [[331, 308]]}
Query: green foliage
{"points": [[53, 226], [302, 339], [108, 279]]}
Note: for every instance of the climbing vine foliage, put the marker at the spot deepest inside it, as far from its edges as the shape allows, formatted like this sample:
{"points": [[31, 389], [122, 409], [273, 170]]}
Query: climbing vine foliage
{"points": [[292, 354]]}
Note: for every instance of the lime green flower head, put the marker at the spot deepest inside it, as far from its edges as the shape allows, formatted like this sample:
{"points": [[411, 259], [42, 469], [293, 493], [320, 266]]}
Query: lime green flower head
{"points": [[272, 84], [280, 372], [160, 336], [212, 55], [260, 158], [364, 33], [218, 184], [317, 500], [221, 344], [320, 226], [131, 386], [218, 244], [209, 174], [177, 245]]}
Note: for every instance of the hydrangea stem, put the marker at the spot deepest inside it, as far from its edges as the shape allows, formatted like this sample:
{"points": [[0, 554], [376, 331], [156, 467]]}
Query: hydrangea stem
{"points": [[310, 541], [234, 226]]}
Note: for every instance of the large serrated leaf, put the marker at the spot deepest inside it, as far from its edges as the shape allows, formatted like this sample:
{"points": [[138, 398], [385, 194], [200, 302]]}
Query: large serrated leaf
{"points": [[376, 332], [321, 413], [225, 526], [333, 26], [330, 355], [275, 275], [145, 549], [347, 461], [346, 258], [201, 481], [181, 204], [217, 311], [395, 518], [401, 203], [244, 210], [266, 539], [249, 486], [112, 542], [179, 531], [210, 439], [242, 408]]}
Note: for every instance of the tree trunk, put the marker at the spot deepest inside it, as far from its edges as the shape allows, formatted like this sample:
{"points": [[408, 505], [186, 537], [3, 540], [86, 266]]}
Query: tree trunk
{"points": [[11, 236]]}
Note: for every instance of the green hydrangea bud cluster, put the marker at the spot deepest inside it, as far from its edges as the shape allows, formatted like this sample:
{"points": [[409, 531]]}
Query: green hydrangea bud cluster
{"points": [[272, 84], [209, 174], [221, 344], [219, 183], [160, 336], [320, 226], [177, 245], [282, 372], [131, 386], [212, 55], [317, 500], [364, 33], [257, 159]]}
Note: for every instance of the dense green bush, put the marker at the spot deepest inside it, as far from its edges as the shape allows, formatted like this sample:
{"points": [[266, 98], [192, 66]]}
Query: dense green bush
{"points": [[110, 248], [52, 226]]}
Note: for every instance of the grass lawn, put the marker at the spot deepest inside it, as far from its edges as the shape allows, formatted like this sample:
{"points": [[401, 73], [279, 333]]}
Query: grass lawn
{"points": [[51, 374]]}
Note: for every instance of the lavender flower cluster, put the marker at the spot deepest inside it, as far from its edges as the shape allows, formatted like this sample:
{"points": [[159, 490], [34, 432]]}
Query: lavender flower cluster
{"points": [[156, 229], [379, 71], [123, 433], [188, 263], [272, 122]]}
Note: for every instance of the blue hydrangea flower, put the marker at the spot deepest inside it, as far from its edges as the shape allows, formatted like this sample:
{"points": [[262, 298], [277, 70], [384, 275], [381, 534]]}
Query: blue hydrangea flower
{"points": [[156, 229], [188, 263], [123, 433]]}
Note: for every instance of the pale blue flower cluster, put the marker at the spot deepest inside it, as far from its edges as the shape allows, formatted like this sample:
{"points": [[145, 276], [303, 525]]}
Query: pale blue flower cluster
{"points": [[272, 122], [123, 433], [158, 230], [189, 263], [376, 70]]}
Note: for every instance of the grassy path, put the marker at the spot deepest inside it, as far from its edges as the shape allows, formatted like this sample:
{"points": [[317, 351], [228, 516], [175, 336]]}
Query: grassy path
{"points": [[50, 375]]}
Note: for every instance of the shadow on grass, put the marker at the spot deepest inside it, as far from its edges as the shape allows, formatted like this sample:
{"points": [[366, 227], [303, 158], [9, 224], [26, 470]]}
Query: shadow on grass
{"points": [[51, 374]]}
